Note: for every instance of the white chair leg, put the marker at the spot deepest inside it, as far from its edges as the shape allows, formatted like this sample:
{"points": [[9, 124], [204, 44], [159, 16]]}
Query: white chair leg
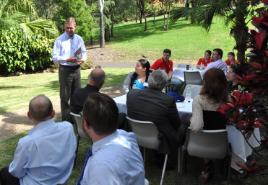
{"points": [[164, 169]]}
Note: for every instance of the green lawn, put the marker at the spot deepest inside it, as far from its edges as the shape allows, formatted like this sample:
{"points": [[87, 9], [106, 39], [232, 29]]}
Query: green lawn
{"points": [[185, 40], [16, 91]]}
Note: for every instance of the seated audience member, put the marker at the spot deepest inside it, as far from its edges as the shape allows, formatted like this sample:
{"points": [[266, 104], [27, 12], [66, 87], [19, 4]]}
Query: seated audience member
{"points": [[213, 93], [95, 81], [203, 62], [204, 112], [137, 79], [153, 105], [115, 157], [41, 157], [217, 61], [164, 63], [232, 79], [231, 59]]}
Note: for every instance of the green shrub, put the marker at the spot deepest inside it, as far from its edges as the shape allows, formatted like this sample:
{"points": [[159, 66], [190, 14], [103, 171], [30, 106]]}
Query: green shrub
{"points": [[20, 53]]}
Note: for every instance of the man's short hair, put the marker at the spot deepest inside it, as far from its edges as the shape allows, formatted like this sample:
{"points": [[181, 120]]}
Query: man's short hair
{"points": [[97, 75], [231, 53], [219, 51], [167, 51], [70, 20], [101, 112], [208, 51], [40, 108], [158, 79]]}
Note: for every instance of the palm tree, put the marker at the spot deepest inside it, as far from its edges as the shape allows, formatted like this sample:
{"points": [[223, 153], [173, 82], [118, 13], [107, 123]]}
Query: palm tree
{"points": [[236, 13], [22, 14]]}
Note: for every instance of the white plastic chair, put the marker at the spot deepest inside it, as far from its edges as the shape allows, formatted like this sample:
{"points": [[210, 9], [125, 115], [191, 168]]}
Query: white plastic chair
{"points": [[78, 119], [147, 137], [192, 77], [208, 144]]}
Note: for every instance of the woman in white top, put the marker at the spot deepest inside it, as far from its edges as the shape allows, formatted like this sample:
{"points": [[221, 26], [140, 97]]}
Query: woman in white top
{"points": [[213, 94]]}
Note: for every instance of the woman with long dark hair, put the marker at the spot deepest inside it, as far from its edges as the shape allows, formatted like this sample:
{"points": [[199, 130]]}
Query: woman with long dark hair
{"points": [[213, 94], [138, 79]]}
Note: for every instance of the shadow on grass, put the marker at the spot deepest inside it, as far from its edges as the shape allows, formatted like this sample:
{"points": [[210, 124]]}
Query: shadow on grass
{"points": [[11, 87], [128, 32]]}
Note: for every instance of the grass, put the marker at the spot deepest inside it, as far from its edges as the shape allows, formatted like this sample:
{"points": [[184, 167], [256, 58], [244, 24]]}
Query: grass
{"points": [[187, 41], [16, 91]]}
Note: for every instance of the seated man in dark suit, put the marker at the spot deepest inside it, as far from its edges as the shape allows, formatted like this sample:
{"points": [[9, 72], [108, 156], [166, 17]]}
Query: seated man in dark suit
{"points": [[95, 81], [151, 104]]}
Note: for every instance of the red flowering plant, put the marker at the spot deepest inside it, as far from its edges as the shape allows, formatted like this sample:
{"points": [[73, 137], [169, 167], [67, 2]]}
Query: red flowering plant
{"points": [[243, 112]]}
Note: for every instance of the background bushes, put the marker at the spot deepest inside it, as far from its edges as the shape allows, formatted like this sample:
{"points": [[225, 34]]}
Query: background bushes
{"points": [[21, 53]]}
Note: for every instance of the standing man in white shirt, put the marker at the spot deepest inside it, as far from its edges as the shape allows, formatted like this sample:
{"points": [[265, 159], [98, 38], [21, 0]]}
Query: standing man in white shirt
{"points": [[46, 155], [217, 61], [69, 52], [115, 157]]}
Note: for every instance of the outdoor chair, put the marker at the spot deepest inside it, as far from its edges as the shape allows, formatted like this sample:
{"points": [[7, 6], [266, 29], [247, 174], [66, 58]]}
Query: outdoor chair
{"points": [[192, 77], [207, 144], [147, 137], [78, 119], [195, 90]]}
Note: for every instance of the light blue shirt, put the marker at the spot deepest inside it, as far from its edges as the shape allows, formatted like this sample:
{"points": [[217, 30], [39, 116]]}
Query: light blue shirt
{"points": [[115, 160], [66, 46], [219, 64], [46, 155]]}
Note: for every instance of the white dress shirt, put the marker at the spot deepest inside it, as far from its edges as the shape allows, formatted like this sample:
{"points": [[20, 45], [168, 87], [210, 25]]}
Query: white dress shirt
{"points": [[66, 46], [219, 64], [46, 155], [115, 160]]}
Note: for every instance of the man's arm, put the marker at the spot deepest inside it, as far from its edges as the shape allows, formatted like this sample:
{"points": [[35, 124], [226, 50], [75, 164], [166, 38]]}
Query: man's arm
{"points": [[100, 174], [56, 57], [83, 53], [18, 166]]}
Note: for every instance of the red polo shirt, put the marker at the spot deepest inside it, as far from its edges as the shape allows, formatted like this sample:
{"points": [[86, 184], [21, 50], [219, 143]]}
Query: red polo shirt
{"points": [[203, 61], [160, 64]]}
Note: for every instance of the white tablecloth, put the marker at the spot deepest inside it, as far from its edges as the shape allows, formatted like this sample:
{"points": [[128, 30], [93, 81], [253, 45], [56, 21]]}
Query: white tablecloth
{"points": [[239, 146], [178, 73], [184, 108]]}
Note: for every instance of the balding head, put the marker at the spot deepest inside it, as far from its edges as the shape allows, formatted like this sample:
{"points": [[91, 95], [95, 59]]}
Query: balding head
{"points": [[96, 77], [40, 108]]}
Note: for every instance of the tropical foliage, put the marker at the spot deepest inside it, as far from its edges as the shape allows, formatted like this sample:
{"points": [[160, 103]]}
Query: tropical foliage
{"points": [[236, 12], [21, 53]]}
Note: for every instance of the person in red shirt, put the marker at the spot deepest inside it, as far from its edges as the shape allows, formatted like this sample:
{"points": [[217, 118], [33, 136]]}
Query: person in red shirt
{"points": [[164, 63], [203, 62], [231, 59]]}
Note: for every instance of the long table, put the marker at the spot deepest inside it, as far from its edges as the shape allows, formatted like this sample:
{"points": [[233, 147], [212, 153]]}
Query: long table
{"points": [[178, 73]]}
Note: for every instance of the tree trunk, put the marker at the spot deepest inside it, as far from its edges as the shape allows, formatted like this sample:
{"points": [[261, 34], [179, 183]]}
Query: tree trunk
{"points": [[102, 24], [240, 30], [145, 23], [112, 30], [187, 4]]}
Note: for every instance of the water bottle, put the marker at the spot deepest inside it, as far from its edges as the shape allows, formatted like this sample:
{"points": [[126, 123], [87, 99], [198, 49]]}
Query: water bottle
{"points": [[188, 93]]}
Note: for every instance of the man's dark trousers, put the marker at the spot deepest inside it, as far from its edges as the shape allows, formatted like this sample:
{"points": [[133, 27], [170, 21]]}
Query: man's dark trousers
{"points": [[7, 179], [69, 78]]}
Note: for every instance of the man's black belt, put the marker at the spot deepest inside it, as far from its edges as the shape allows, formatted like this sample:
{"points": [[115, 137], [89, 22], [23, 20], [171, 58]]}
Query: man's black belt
{"points": [[70, 67]]}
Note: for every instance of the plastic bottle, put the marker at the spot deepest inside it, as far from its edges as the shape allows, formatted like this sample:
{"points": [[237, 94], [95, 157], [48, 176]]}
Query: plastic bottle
{"points": [[188, 93]]}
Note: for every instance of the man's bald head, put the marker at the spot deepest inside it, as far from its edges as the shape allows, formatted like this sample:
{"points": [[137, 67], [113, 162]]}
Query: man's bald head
{"points": [[97, 77], [40, 108]]}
